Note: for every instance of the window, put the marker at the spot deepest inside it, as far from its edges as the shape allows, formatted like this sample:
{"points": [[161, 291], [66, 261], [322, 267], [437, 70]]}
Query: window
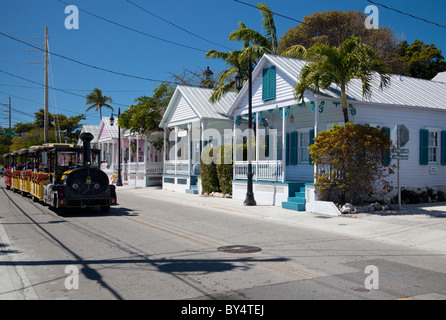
{"points": [[304, 143], [433, 146]]}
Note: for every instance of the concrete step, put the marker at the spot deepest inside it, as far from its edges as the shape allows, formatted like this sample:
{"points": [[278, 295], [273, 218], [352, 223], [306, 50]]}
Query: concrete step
{"points": [[293, 206], [296, 199], [299, 194]]}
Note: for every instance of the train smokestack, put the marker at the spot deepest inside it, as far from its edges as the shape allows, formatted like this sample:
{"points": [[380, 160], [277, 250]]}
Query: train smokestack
{"points": [[86, 137]]}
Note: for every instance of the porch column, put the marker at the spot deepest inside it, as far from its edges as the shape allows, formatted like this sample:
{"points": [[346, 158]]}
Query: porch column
{"points": [[145, 153], [164, 150], [316, 116], [234, 147], [202, 137], [284, 145], [176, 149], [113, 160], [189, 142], [137, 154], [257, 144]]}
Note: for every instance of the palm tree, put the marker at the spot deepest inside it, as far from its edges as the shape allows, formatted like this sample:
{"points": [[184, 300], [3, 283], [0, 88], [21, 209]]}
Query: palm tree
{"points": [[255, 45], [98, 101], [330, 65]]}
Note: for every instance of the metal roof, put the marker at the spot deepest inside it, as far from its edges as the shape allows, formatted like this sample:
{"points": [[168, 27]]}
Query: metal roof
{"points": [[441, 77], [402, 90], [198, 99]]}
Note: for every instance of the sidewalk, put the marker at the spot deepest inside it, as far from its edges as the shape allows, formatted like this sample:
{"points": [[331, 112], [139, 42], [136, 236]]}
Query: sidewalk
{"points": [[421, 226]]}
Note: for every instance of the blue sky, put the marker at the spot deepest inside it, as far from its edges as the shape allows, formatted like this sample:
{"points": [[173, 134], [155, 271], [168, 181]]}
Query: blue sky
{"points": [[109, 46]]}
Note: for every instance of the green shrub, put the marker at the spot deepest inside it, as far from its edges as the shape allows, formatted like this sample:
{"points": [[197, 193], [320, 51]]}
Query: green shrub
{"points": [[208, 171], [225, 170], [350, 162], [216, 175]]}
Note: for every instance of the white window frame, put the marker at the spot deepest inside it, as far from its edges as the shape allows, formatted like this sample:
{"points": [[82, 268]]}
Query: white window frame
{"points": [[300, 132], [437, 148]]}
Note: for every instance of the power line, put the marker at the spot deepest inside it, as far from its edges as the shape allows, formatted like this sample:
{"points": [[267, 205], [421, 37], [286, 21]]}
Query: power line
{"points": [[86, 64], [57, 89], [38, 103], [83, 90], [408, 14], [177, 26], [80, 62], [135, 30]]}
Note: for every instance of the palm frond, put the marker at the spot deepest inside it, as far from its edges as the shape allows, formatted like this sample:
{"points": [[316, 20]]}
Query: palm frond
{"points": [[269, 27]]}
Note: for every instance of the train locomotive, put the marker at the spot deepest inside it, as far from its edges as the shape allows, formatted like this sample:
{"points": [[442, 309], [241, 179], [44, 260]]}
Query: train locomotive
{"points": [[62, 176]]}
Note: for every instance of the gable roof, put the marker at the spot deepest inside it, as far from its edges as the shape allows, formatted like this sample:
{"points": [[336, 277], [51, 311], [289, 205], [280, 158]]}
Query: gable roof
{"points": [[441, 77], [402, 90], [198, 101], [94, 130]]}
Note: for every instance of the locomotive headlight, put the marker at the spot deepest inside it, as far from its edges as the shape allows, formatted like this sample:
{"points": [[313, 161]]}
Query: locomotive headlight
{"points": [[75, 186], [97, 186]]}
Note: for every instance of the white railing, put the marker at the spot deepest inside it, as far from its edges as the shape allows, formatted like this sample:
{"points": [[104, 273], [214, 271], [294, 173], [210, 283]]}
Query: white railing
{"points": [[262, 170], [328, 171], [141, 167], [179, 167]]}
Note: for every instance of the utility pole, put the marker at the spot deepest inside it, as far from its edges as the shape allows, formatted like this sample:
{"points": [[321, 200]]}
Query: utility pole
{"points": [[10, 113], [45, 118]]}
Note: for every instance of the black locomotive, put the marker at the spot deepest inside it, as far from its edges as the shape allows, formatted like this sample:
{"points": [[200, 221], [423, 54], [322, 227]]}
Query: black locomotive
{"points": [[62, 176]]}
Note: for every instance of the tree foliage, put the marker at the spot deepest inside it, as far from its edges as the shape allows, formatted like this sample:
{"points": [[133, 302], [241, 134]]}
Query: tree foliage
{"points": [[215, 174], [424, 60], [334, 27], [97, 101], [338, 65], [254, 45], [144, 116], [350, 162]]}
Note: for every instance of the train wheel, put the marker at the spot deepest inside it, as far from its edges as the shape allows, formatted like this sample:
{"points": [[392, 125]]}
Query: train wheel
{"points": [[105, 209], [34, 198]]}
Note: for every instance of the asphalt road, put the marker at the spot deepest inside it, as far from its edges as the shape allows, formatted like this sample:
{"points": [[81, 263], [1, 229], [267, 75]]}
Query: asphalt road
{"points": [[155, 249]]}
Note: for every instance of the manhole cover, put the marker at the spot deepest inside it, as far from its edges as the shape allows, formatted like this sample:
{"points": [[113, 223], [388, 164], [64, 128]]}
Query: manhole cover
{"points": [[239, 249]]}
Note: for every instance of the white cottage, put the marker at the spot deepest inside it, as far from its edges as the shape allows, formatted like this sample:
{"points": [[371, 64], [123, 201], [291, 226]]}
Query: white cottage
{"points": [[190, 123], [287, 178], [141, 161]]}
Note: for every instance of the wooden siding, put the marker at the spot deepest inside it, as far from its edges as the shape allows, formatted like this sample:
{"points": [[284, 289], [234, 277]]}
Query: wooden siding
{"points": [[284, 94], [181, 113], [412, 173]]}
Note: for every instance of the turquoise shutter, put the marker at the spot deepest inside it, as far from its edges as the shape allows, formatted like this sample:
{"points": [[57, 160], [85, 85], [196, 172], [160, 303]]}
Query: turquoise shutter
{"points": [[424, 147], [269, 83], [386, 156], [311, 143], [287, 150], [443, 147], [293, 148]]}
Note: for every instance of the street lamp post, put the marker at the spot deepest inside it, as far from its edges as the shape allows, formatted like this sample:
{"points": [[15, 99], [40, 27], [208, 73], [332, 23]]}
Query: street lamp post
{"points": [[112, 121], [249, 199]]}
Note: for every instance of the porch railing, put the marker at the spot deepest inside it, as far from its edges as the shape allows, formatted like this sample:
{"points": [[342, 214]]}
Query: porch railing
{"points": [[141, 167], [179, 167], [329, 171], [262, 170]]}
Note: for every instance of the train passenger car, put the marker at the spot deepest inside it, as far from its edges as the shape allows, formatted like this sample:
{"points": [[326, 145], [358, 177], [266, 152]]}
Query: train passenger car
{"points": [[62, 176]]}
